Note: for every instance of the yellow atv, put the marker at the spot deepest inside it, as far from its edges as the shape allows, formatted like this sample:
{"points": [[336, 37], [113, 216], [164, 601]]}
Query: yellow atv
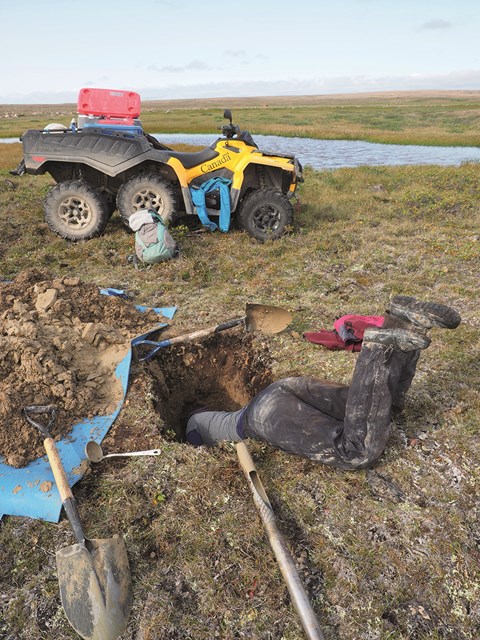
{"points": [[99, 169]]}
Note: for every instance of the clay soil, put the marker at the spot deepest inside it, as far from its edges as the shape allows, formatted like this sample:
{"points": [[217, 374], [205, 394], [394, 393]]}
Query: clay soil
{"points": [[61, 342]]}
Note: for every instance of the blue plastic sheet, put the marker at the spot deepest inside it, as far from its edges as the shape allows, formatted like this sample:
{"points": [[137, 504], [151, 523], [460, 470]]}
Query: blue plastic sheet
{"points": [[198, 198], [31, 490]]}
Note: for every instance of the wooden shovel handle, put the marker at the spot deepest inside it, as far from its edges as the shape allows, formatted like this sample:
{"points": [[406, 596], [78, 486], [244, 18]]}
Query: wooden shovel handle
{"points": [[279, 548], [66, 495], [59, 474], [245, 459], [186, 338]]}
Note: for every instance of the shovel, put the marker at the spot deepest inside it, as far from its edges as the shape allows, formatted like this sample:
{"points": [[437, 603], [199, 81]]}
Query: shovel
{"points": [[258, 317], [93, 575], [285, 561]]}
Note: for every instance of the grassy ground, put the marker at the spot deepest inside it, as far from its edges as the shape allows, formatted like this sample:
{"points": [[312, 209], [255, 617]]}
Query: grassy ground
{"points": [[440, 118], [390, 553]]}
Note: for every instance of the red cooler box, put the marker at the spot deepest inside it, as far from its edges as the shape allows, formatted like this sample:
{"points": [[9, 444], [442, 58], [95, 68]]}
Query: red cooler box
{"points": [[109, 103]]}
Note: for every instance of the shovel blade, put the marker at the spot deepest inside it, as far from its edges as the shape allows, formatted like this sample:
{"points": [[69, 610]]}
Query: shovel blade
{"points": [[266, 318], [95, 587]]}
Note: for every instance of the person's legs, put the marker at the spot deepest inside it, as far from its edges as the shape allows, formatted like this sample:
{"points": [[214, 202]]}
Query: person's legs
{"points": [[384, 372], [422, 316], [324, 400], [287, 414], [406, 312], [345, 427], [374, 385], [210, 427]]}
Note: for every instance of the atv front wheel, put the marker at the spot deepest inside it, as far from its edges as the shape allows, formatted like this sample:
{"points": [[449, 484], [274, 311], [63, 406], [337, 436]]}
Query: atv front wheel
{"points": [[76, 211], [146, 191], [265, 214]]}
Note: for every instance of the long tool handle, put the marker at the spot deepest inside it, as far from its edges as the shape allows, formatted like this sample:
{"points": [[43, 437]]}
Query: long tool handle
{"points": [[285, 561], [61, 480], [58, 471], [187, 337], [63, 486], [150, 452]]}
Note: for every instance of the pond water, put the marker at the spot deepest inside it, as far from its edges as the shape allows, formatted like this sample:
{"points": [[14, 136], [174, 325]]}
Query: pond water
{"points": [[332, 154]]}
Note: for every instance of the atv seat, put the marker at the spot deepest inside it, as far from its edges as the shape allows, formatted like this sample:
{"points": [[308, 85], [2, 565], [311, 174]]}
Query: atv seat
{"points": [[191, 159]]}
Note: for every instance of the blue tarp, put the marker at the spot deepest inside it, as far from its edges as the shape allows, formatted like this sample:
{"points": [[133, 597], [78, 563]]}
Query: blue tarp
{"points": [[31, 490]]}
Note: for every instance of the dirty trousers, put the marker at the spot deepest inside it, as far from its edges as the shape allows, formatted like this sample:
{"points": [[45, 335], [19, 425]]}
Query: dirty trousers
{"points": [[338, 425]]}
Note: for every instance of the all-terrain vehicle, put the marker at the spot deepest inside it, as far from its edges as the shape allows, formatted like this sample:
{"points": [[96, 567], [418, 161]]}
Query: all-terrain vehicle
{"points": [[111, 163]]}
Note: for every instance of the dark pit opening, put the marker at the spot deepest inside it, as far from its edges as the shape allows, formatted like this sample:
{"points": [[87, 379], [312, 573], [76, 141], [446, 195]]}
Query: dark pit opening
{"points": [[223, 372]]}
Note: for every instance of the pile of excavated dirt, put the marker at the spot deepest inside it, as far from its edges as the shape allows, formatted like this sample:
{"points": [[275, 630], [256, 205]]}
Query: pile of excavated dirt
{"points": [[61, 340]]}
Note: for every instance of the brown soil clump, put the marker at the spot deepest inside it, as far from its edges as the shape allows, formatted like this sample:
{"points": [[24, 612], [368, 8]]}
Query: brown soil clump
{"points": [[61, 342]]}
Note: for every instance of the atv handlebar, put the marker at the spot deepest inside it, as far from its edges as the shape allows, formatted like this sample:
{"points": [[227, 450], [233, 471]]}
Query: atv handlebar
{"points": [[230, 130]]}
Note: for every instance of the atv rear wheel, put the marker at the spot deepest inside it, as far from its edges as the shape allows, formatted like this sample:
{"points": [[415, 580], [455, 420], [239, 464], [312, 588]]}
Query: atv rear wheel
{"points": [[146, 191], [265, 214], [76, 211]]}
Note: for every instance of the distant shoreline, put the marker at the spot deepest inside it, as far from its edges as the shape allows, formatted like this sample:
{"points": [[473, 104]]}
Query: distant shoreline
{"points": [[438, 118], [263, 101]]}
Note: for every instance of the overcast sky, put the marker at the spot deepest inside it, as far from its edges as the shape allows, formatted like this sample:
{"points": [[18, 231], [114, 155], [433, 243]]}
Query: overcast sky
{"points": [[167, 49]]}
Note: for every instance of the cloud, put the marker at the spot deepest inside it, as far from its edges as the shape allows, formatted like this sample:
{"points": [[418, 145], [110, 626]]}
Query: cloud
{"points": [[435, 24], [197, 65], [99, 82], [468, 80], [235, 53], [194, 65], [168, 69]]}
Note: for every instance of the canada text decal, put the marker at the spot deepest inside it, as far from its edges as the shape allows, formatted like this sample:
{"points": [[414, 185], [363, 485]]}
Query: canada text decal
{"points": [[210, 166]]}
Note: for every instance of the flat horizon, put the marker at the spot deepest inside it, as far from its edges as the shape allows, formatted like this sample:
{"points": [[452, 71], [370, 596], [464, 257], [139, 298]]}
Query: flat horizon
{"points": [[299, 99]]}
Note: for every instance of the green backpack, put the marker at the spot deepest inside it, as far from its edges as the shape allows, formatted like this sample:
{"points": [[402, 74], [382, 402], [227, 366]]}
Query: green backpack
{"points": [[153, 242]]}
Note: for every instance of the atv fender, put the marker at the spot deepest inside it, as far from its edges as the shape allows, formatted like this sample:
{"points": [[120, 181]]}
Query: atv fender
{"points": [[278, 164], [182, 174], [109, 154]]}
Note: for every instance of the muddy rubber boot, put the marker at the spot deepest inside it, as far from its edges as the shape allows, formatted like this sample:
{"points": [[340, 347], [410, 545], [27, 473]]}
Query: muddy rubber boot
{"points": [[404, 383], [374, 385], [410, 343], [367, 417], [392, 322], [398, 339], [424, 315], [409, 314], [409, 366]]}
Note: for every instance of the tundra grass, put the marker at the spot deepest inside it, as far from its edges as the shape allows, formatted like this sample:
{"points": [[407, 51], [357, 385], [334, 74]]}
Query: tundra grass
{"points": [[425, 118], [387, 553]]}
